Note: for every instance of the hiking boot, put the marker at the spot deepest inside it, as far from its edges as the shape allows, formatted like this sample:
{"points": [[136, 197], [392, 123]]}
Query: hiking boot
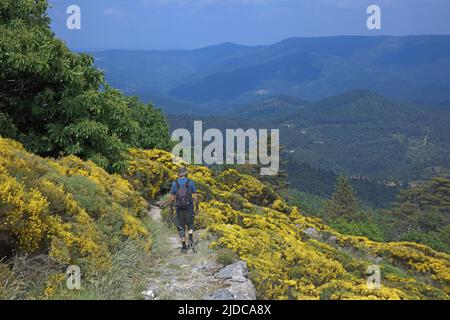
{"points": [[191, 243], [184, 248]]}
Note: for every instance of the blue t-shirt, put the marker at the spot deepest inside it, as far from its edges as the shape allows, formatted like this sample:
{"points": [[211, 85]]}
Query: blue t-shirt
{"points": [[182, 182]]}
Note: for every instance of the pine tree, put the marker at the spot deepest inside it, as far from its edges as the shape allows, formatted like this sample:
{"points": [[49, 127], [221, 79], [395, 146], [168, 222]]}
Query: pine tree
{"points": [[344, 201]]}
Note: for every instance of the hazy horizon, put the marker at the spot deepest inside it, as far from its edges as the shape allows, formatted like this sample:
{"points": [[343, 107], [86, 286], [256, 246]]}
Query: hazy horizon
{"points": [[258, 45], [192, 24]]}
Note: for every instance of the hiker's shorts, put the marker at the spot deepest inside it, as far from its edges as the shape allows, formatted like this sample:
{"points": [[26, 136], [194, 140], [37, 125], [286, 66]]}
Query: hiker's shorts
{"points": [[184, 218]]}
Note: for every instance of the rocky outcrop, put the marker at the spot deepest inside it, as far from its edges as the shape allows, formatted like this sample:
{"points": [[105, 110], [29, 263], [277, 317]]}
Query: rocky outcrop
{"points": [[236, 272], [238, 286], [311, 232]]}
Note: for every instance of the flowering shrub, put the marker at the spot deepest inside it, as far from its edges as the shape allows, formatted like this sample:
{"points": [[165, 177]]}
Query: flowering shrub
{"points": [[247, 186], [148, 170], [70, 209], [285, 261], [77, 213], [22, 212]]}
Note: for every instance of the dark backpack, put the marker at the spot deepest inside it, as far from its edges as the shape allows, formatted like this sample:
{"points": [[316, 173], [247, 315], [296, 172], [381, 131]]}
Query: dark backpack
{"points": [[183, 196]]}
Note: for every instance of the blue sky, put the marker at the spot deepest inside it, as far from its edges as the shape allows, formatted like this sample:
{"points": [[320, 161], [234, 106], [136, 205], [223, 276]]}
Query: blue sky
{"points": [[183, 24]]}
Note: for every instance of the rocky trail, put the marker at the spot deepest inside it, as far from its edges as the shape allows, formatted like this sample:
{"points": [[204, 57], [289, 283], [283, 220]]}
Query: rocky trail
{"points": [[192, 276]]}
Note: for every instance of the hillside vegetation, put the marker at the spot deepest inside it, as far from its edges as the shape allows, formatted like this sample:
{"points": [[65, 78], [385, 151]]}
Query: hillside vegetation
{"points": [[62, 212], [76, 213]]}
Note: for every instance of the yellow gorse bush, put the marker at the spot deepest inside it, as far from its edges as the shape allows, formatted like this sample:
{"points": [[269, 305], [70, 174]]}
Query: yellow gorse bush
{"points": [[69, 209], [78, 213], [148, 170], [22, 212], [285, 262]]}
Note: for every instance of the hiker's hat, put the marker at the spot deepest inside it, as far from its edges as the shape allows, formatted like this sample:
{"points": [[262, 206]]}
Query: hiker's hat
{"points": [[183, 172]]}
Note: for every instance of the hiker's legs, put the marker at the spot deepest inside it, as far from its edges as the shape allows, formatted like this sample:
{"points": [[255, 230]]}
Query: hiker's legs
{"points": [[181, 225], [190, 222], [185, 218]]}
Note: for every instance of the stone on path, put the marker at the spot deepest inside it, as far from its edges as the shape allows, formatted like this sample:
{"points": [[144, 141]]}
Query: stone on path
{"points": [[239, 287]]}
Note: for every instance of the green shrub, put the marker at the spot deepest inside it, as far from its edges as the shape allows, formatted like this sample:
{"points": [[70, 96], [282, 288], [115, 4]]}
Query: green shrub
{"points": [[435, 240], [226, 256], [368, 229]]}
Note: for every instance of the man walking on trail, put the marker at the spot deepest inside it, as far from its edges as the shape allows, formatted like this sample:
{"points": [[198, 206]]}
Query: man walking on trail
{"points": [[184, 195]]}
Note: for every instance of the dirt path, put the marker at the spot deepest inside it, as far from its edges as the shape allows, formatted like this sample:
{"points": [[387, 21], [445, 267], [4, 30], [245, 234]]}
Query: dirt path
{"points": [[155, 213], [191, 276]]}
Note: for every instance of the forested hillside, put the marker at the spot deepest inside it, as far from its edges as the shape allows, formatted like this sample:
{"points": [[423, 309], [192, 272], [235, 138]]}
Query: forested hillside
{"points": [[394, 141]]}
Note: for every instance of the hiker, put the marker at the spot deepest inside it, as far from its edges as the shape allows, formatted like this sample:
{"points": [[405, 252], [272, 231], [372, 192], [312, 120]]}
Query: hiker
{"points": [[184, 196]]}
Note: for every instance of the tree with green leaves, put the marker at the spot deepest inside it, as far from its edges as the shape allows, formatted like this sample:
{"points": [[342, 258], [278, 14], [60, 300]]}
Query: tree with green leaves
{"points": [[422, 214], [57, 103], [344, 201], [431, 195]]}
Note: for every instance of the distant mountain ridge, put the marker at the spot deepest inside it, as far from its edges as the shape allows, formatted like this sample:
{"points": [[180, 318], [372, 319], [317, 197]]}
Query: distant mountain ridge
{"points": [[370, 106], [412, 68]]}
